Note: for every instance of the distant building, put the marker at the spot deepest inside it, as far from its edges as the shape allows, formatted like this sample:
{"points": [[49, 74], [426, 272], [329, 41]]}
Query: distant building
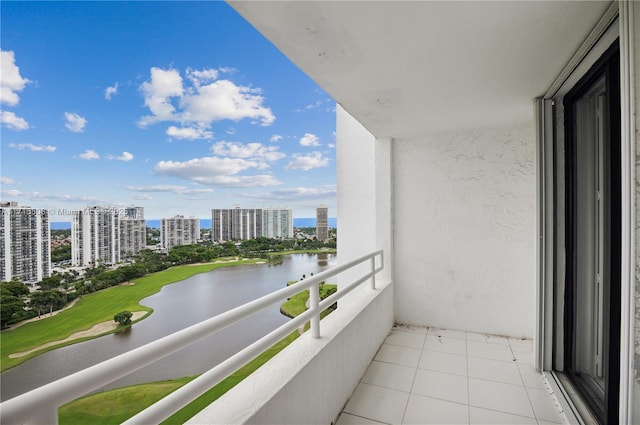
{"points": [[133, 213], [322, 223], [178, 231], [249, 223], [133, 231], [236, 224], [221, 224], [25, 251], [277, 223], [95, 236]]}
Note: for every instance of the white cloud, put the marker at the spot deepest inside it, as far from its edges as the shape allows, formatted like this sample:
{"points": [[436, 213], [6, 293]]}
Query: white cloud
{"points": [[309, 140], [143, 197], [126, 157], [39, 196], [32, 147], [75, 122], [164, 85], [189, 133], [224, 100], [11, 82], [275, 138], [109, 92], [216, 171], [179, 190], [156, 188], [254, 151], [12, 121], [331, 146], [204, 100], [89, 155], [315, 105], [7, 180], [307, 162], [297, 193], [198, 78]]}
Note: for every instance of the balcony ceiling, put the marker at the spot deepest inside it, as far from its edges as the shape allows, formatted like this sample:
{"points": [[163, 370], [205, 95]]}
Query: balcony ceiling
{"points": [[405, 69]]}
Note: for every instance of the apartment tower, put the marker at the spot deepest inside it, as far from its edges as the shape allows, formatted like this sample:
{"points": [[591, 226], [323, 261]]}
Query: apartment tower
{"points": [[322, 223], [25, 251], [277, 223], [95, 236], [236, 224], [178, 231], [133, 231]]}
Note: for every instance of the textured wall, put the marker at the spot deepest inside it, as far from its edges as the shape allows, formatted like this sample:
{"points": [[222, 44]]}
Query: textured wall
{"points": [[355, 169], [636, 388], [465, 230]]}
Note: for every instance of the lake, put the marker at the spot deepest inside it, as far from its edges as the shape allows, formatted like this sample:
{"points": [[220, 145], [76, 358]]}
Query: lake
{"points": [[176, 307]]}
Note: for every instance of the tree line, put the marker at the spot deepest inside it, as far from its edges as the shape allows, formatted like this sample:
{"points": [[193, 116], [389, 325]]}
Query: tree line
{"points": [[18, 303]]}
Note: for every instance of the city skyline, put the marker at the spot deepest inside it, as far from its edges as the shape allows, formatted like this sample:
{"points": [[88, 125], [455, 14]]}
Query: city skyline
{"points": [[178, 108]]}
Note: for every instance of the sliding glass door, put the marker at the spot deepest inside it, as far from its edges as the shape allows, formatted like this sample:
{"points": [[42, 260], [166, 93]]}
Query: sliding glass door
{"points": [[592, 295]]}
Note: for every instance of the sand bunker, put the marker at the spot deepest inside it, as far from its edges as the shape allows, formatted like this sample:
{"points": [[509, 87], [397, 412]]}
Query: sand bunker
{"points": [[96, 330]]}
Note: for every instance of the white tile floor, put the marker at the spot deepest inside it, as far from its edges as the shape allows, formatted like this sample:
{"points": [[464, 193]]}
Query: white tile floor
{"points": [[438, 376]]}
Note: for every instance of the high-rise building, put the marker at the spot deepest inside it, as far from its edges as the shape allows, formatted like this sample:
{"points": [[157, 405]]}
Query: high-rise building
{"points": [[236, 224], [25, 250], [322, 223], [179, 230], [133, 231], [95, 236], [249, 223], [220, 224], [277, 223]]}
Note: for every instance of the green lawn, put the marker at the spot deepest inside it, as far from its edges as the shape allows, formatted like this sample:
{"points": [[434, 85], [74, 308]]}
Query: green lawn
{"points": [[92, 309], [297, 303], [116, 406]]}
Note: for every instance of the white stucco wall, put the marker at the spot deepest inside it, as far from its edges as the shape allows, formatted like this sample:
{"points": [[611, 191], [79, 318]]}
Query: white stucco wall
{"points": [[355, 171], [465, 230], [635, 384]]}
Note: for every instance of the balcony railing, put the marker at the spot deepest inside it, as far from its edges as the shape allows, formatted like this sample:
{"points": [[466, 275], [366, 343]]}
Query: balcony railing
{"points": [[41, 404]]}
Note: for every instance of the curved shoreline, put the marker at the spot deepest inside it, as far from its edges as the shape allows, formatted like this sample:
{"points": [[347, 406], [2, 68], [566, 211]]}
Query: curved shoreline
{"points": [[94, 331]]}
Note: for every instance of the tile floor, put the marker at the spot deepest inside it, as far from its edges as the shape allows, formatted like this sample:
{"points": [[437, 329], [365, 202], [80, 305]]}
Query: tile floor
{"points": [[436, 376]]}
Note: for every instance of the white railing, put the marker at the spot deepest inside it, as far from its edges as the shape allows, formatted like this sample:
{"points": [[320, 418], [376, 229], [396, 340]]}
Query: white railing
{"points": [[40, 405]]}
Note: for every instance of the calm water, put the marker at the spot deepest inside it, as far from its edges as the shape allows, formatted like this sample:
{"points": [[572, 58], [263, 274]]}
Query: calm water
{"points": [[177, 306]]}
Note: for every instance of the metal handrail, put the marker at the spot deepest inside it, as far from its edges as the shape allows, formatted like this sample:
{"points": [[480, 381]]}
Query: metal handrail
{"points": [[49, 397]]}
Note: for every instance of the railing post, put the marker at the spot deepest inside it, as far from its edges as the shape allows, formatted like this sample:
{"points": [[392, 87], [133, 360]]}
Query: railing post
{"points": [[373, 272], [314, 301]]}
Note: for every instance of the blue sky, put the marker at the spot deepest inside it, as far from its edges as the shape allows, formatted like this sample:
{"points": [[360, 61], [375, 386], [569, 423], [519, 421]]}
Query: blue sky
{"points": [[179, 107]]}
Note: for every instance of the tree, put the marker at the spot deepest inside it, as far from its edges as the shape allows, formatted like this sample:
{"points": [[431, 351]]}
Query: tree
{"points": [[123, 318]]}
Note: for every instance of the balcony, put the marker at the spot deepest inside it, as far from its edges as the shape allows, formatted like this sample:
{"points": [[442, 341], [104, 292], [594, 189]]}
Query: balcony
{"points": [[434, 376]]}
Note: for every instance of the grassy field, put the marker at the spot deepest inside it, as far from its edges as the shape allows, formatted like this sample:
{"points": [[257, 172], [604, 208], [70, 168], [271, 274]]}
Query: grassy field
{"points": [[92, 309], [297, 303]]}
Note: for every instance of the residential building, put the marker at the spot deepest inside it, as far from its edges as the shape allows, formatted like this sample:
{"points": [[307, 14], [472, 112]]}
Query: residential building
{"points": [[134, 213], [179, 230], [133, 231], [95, 236], [236, 223], [277, 223], [25, 251], [322, 223], [221, 224]]}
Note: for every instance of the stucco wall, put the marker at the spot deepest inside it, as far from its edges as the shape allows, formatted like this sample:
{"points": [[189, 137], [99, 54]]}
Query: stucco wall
{"points": [[355, 170], [636, 100], [465, 230]]}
